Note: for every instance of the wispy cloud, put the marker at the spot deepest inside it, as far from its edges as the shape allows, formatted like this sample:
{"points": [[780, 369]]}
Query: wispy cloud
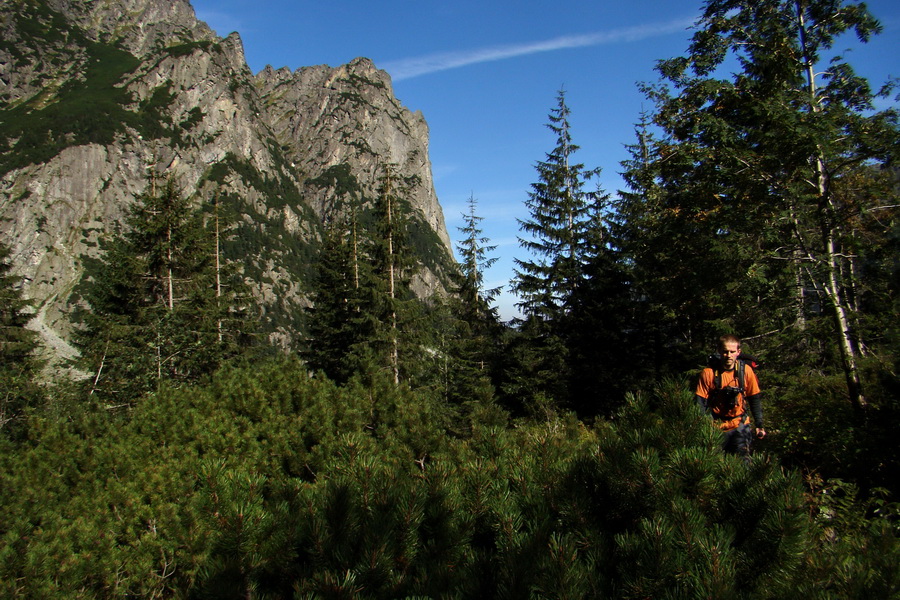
{"points": [[423, 65]]}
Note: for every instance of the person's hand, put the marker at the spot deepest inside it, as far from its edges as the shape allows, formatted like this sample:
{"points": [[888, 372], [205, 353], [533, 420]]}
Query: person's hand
{"points": [[760, 432]]}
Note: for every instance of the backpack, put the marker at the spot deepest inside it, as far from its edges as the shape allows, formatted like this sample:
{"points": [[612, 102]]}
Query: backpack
{"points": [[714, 361], [727, 397]]}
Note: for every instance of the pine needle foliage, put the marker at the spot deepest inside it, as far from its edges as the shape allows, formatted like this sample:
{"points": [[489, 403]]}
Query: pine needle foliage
{"points": [[163, 306], [473, 325], [564, 235], [266, 483], [18, 364], [339, 320], [768, 166]]}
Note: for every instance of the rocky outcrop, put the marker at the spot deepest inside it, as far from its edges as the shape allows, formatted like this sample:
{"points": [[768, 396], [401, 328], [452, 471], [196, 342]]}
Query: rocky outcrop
{"points": [[140, 26], [98, 98], [349, 115]]}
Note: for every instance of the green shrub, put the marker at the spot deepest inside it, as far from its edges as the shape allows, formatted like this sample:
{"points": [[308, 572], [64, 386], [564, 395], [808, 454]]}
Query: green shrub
{"points": [[268, 483]]}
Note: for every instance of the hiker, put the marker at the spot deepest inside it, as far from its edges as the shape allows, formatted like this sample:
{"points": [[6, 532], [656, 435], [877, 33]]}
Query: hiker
{"points": [[728, 389]]}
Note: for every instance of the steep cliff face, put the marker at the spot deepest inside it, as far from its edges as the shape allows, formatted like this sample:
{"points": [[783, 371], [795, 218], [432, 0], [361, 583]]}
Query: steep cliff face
{"points": [[99, 97], [350, 116]]}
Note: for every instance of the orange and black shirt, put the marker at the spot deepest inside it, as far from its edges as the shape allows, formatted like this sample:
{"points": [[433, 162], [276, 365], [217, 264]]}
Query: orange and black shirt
{"points": [[730, 414]]}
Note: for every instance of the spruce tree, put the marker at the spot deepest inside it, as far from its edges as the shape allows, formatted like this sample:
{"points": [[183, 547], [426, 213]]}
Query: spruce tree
{"points": [[558, 225], [158, 309], [473, 250], [603, 329], [236, 313], [338, 320], [476, 327], [18, 365], [759, 166], [664, 259], [557, 231], [397, 311]]}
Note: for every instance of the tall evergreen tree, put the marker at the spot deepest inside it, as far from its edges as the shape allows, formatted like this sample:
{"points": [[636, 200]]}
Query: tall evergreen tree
{"points": [[665, 256], [158, 308], [339, 320], [18, 366], [383, 262], [476, 326], [558, 225], [235, 310], [391, 246], [757, 166], [365, 318], [557, 231], [473, 250], [603, 329]]}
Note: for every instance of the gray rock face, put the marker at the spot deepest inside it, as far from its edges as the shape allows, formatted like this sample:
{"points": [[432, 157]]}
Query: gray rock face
{"points": [[174, 100], [141, 26], [350, 115]]}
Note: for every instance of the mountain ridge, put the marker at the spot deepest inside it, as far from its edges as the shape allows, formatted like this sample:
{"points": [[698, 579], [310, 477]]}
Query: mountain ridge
{"points": [[97, 98]]}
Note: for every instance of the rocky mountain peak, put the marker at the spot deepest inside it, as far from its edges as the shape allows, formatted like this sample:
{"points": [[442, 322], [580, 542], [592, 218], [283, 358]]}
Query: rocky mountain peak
{"points": [[140, 26], [95, 96]]}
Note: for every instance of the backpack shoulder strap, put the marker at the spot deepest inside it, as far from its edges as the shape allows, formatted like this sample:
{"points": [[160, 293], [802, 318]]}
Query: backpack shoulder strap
{"points": [[738, 377]]}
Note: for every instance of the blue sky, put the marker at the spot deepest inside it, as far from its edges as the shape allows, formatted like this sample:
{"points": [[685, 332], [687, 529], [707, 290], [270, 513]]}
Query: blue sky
{"points": [[486, 74]]}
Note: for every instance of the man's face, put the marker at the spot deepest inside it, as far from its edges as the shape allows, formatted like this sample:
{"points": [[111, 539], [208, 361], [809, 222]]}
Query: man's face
{"points": [[729, 354]]}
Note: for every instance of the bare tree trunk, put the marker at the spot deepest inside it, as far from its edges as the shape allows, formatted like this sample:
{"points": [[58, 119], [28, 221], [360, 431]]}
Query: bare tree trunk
{"points": [[395, 353], [831, 260], [355, 255], [842, 323], [158, 357], [218, 268], [800, 320], [99, 370], [169, 279]]}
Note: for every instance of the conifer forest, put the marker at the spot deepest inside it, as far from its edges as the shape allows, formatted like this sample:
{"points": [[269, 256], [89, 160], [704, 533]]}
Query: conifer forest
{"points": [[410, 448]]}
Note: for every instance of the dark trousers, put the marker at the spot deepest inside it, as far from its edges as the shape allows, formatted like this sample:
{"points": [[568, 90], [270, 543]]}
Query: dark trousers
{"points": [[737, 441]]}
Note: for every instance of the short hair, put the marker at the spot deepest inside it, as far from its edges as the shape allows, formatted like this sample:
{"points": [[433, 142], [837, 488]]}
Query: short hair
{"points": [[729, 338]]}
